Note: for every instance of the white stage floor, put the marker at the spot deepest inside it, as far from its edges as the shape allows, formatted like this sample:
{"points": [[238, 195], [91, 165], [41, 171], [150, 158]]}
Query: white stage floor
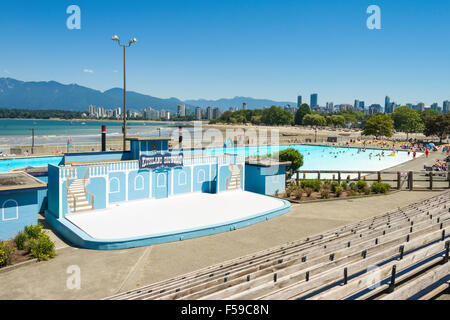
{"points": [[175, 214]]}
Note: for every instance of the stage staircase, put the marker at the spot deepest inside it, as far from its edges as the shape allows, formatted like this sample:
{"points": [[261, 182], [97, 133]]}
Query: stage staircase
{"points": [[76, 196], [235, 179]]}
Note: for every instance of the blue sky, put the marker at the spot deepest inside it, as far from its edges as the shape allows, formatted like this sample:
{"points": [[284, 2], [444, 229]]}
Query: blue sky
{"points": [[212, 49]]}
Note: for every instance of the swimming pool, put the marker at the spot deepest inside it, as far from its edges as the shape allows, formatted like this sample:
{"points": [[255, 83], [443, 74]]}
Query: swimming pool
{"points": [[11, 164], [330, 158], [315, 157]]}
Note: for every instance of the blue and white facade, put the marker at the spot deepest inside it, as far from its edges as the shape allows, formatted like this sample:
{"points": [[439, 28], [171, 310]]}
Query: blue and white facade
{"points": [[100, 185], [20, 206]]}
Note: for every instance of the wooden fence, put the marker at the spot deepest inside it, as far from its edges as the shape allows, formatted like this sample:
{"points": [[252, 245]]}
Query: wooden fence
{"points": [[409, 180]]}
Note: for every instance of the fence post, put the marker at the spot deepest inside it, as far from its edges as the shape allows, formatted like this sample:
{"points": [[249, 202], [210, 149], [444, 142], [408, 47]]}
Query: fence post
{"points": [[339, 177], [297, 178], [431, 180], [318, 175], [398, 180], [379, 176], [359, 175], [448, 178], [411, 180]]}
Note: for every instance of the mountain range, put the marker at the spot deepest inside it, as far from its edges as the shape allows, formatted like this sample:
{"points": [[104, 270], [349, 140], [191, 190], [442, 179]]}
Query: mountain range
{"points": [[57, 96]]}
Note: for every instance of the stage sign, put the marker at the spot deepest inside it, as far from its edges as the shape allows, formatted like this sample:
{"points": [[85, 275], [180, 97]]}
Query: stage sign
{"points": [[159, 161]]}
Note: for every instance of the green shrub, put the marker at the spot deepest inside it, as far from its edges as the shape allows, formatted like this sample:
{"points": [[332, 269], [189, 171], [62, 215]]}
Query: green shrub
{"points": [[314, 184], [334, 185], [367, 190], [353, 186], [380, 187], [298, 193], [290, 190], [20, 239], [34, 240], [361, 185], [344, 185], [338, 190], [33, 231], [385, 187], [42, 248], [5, 254], [309, 191], [325, 193]]}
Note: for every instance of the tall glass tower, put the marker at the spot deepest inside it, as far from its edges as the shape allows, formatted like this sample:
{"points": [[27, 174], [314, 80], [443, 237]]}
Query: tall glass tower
{"points": [[314, 99]]}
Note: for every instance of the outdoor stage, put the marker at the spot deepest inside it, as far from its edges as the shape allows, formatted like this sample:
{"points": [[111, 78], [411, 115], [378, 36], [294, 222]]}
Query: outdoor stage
{"points": [[152, 221]]}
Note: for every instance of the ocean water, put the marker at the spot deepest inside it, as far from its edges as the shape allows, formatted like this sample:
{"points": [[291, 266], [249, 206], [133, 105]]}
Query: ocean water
{"points": [[48, 132]]}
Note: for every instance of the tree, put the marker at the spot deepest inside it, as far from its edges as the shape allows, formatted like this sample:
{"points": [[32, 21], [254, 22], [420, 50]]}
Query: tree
{"points": [[301, 112], [407, 120], [337, 120], [428, 113], [294, 156], [277, 116], [315, 120], [438, 126], [379, 125]]}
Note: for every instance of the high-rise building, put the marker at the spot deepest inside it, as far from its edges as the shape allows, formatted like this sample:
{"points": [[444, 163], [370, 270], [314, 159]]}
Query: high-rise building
{"points": [[198, 113], [314, 100], [299, 101], [345, 107], [445, 106], [91, 110], [387, 103], [420, 106], [361, 105], [209, 113], [329, 107], [436, 107], [356, 104], [375, 108], [244, 106], [389, 108], [152, 114], [216, 113], [181, 110]]}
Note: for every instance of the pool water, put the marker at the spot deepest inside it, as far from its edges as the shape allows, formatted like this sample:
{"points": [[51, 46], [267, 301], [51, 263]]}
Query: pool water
{"points": [[11, 164], [315, 157], [329, 158]]}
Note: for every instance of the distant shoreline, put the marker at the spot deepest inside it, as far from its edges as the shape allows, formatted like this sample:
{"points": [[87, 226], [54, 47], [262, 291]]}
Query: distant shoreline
{"points": [[99, 120]]}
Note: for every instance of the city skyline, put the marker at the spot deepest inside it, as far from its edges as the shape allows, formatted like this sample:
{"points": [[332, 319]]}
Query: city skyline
{"points": [[210, 50]]}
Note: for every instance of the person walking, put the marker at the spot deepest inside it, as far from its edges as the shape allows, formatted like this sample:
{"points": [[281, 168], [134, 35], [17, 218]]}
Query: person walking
{"points": [[427, 152]]}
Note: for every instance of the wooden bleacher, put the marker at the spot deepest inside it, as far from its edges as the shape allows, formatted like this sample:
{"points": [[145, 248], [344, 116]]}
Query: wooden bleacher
{"points": [[394, 256]]}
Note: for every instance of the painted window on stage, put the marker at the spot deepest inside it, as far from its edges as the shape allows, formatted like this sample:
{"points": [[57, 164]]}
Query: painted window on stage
{"points": [[139, 182], [161, 180], [10, 210], [201, 176], [114, 185], [182, 178]]}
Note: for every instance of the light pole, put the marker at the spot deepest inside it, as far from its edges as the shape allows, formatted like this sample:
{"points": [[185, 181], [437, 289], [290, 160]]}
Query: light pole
{"points": [[124, 129], [32, 140]]}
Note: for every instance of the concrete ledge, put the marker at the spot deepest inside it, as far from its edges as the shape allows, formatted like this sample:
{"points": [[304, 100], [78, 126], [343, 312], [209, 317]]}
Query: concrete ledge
{"points": [[79, 238]]}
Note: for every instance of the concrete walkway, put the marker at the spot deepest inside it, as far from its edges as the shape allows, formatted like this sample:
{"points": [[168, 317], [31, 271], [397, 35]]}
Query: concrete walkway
{"points": [[104, 273]]}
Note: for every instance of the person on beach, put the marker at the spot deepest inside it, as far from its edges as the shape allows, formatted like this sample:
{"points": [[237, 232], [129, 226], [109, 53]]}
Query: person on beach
{"points": [[427, 152], [414, 154]]}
